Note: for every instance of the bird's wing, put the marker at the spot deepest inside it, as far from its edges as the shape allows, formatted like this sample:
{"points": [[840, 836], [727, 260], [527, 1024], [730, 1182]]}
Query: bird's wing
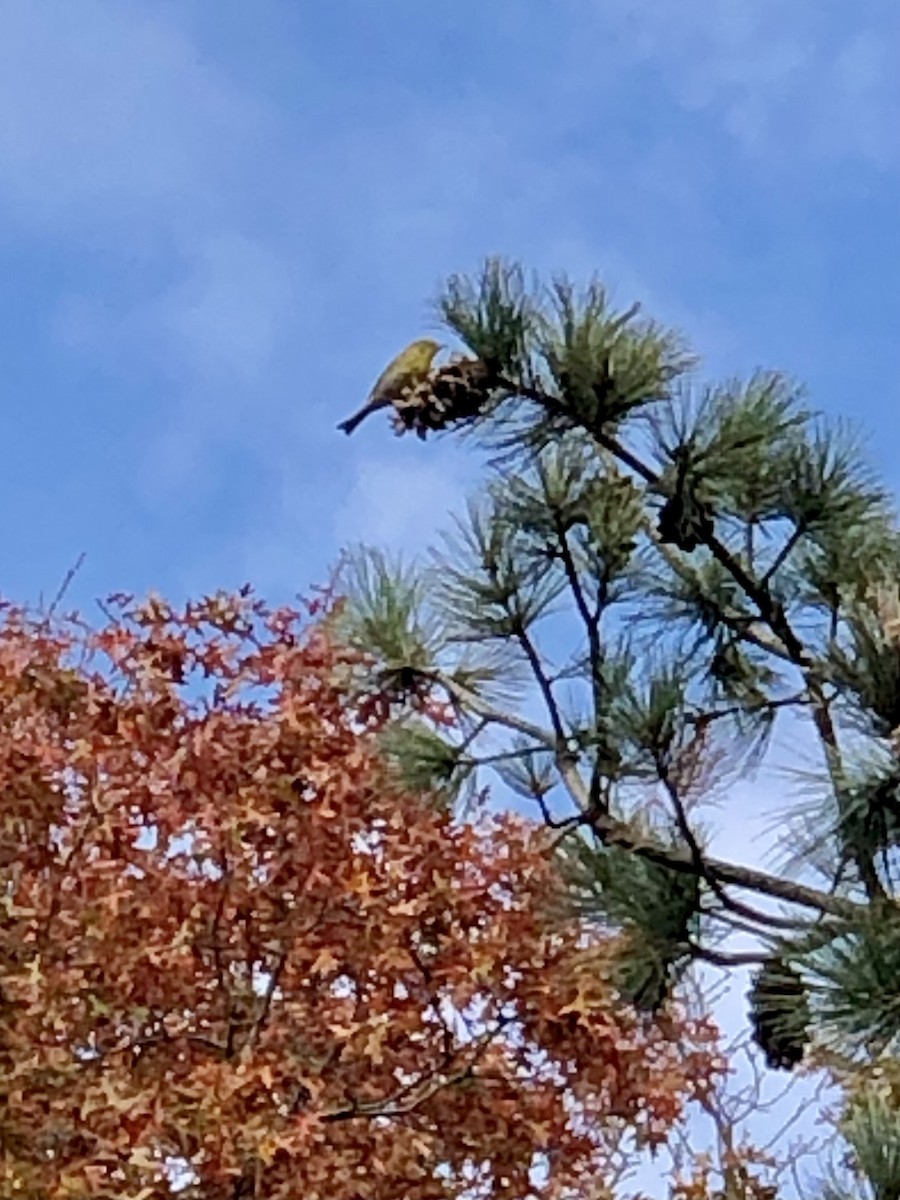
{"points": [[387, 377], [379, 383]]}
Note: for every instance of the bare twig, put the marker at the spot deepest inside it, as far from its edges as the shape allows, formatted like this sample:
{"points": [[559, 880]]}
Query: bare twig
{"points": [[428, 1085], [66, 584], [540, 676]]}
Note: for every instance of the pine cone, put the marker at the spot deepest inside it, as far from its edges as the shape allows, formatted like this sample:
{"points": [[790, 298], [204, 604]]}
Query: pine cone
{"points": [[685, 519], [779, 1011], [685, 522], [455, 392]]}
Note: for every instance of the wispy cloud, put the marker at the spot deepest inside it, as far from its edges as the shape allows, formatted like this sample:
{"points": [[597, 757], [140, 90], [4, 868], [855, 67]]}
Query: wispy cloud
{"points": [[122, 146], [241, 239], [783, 81], [402, 506], [108, 121]]}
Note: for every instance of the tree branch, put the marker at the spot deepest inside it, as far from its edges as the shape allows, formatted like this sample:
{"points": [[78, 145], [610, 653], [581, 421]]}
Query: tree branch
{"points": [[470, 700], [540, 675], [616, 833], [591, 622], [613, 832], [781, 557], [771, 612], [435, 1081]]}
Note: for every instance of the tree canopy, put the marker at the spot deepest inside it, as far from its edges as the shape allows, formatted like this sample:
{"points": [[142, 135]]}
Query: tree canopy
{"points": [[657, 573], [238, 958]]}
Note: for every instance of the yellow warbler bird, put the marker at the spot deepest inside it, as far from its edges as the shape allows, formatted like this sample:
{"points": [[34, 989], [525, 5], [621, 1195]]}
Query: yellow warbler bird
{"points": [[410, 367]]}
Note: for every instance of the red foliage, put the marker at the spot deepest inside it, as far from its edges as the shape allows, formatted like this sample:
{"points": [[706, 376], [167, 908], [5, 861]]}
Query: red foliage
{"points": [[231, 946]]}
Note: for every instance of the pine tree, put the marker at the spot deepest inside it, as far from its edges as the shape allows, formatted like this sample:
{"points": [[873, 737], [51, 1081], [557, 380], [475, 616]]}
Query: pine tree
{"points": [[674, 569]]}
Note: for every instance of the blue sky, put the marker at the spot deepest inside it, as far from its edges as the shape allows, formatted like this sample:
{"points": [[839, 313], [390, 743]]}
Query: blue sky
{"points": [[219, 220]]}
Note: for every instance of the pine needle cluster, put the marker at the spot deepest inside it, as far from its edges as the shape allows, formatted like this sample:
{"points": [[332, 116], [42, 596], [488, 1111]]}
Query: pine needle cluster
{"points": [[669, 573]]}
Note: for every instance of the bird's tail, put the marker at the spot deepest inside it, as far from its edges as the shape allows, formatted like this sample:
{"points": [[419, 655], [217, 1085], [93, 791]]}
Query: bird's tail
{"points": [[357, 419], [351, 423]]}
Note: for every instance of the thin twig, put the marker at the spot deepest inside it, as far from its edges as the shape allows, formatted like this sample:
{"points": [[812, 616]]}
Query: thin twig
{"points": [[429, 1085], [591, 622], [546, 690], [780, 558], [66, 584]]}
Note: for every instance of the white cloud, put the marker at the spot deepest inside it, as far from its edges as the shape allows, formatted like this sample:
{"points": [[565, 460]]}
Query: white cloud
{"points": [[245, 246], [782, 80], [107, 114], [401, 505], [226, 319], [274, 256], [119, 142]]}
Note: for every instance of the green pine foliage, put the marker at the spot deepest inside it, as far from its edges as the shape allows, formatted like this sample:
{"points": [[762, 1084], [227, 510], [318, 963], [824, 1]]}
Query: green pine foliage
{"points": [[659, 910], [656, 575]]}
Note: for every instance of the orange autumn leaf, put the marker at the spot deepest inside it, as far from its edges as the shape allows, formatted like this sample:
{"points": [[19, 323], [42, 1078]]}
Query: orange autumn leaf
{"points": [[236, 955]]}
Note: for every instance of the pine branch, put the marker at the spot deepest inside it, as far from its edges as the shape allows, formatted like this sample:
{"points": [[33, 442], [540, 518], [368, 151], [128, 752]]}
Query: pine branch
{"points": [[771, 612], [755, 632], [720, 958], [544, 686], [617, 833], [784, 553], [470, 700], [684, 827], [613, 832], [591, 622], [743, 918]]}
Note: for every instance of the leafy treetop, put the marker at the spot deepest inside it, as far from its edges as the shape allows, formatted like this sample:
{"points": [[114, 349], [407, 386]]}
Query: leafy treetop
{"points": [[673, 570], [238, 959]]}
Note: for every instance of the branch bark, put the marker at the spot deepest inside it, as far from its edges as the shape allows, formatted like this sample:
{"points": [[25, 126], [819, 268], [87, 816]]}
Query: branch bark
{"points": [[613, 832]]}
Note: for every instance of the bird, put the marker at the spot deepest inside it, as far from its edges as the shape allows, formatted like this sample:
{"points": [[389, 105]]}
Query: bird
{"points": [[411, 366]]}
